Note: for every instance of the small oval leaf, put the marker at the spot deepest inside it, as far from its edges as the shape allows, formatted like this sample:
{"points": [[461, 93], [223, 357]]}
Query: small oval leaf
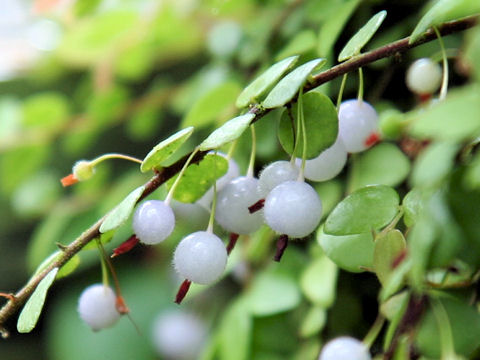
{"points": [[262, 83], [31, 311], [198, 178], [122, 211], [388, 247], [319, 280], [369, 208], [286, 89], [165, 149], [65, 270], [362, 36], [229, 131], [321, 123]]}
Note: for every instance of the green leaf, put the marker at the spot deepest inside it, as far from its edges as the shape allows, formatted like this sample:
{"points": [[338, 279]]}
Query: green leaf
{"points": [[396, 280], [412, 205], [286, 89], [421, 241], [301, 43], [31, 311], [198, 178], [235, 332], [206, 110], [318, 282], [228, 132], [165, 149], [388, 247], [122, 211], [435, 122], [369, 208], [383, 164], [68, 268], [313, 322], [333, 25], [444, 10], [45, 111], [271, 294], [265, 81], [465, 327], [321, 123], [433, 165], [362, 36], [352, 253]]}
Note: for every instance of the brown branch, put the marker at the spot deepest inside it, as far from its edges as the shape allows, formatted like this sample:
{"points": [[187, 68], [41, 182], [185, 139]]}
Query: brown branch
{"points": [[166, 173]]}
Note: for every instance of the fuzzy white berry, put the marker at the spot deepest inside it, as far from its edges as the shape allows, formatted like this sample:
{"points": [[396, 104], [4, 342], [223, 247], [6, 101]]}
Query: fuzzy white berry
{"points": [[357, 125], [232, 206], [153, 222], [178, 335], [328, 164], [274, 174], [344, 348], [293, 208], [424, 76], [200, 257], [96, 307]]}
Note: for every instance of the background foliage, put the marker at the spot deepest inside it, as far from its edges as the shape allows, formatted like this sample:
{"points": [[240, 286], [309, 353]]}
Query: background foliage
{"points": [[127, 74]]}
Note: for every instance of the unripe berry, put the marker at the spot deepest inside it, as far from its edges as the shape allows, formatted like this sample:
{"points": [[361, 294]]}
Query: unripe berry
{"points": [[200, 257], [96, 307], [178, 335], [357, 125], [83, 170], [424, 77], [328, 164], [232, 206], [344, 348], [293, 208], [153, 222], [274, 174]]}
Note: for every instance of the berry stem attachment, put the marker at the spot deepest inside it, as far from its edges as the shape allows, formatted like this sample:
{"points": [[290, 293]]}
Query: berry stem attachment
{"points": [[444, 87], [360, 84], [342, 89], [251, 164], [171, 192]]}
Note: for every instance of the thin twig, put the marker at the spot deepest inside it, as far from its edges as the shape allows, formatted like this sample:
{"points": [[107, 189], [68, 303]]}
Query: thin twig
{"points": [[162, 176]]}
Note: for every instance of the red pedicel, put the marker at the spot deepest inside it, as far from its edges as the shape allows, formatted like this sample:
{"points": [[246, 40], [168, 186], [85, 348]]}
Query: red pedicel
{"points": [[69, 180], [372, 139]]}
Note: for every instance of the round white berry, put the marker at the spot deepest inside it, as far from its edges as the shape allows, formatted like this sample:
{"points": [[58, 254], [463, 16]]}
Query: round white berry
{"points": [[357, 125], [178, 335], [424, 76], [232, 172], [274, 174], [293, 208], [328, 164], [200, 257], [153, 222], [193, 215], [232, 206], [96, 307], [344, 348]]}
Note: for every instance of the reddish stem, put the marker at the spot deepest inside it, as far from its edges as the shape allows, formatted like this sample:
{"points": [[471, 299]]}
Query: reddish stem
{"points": [[231, 243], [257, 206], [282, 244], [68, 180], [182, 291], [121, 306], [372, 139], [126, 246], [10, 297]]}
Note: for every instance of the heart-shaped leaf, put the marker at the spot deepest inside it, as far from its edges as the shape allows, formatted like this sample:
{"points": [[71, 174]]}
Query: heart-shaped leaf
{"points": [[165, 149], [262, 83], [362, 36], [122, 211], [388, 247], [229, 131], [369, 208], [321, 123], [33, 308], [286, 89]]}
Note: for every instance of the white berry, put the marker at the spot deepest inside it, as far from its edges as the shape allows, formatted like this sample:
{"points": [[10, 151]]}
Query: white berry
{"points": [[153, 222], [358, 125], [328, 164], [200, 257], [232, 206], [178, 335], [96, 307], [293, 208], [274, 174], [232, 172], [424, 77], [344, 348]]}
